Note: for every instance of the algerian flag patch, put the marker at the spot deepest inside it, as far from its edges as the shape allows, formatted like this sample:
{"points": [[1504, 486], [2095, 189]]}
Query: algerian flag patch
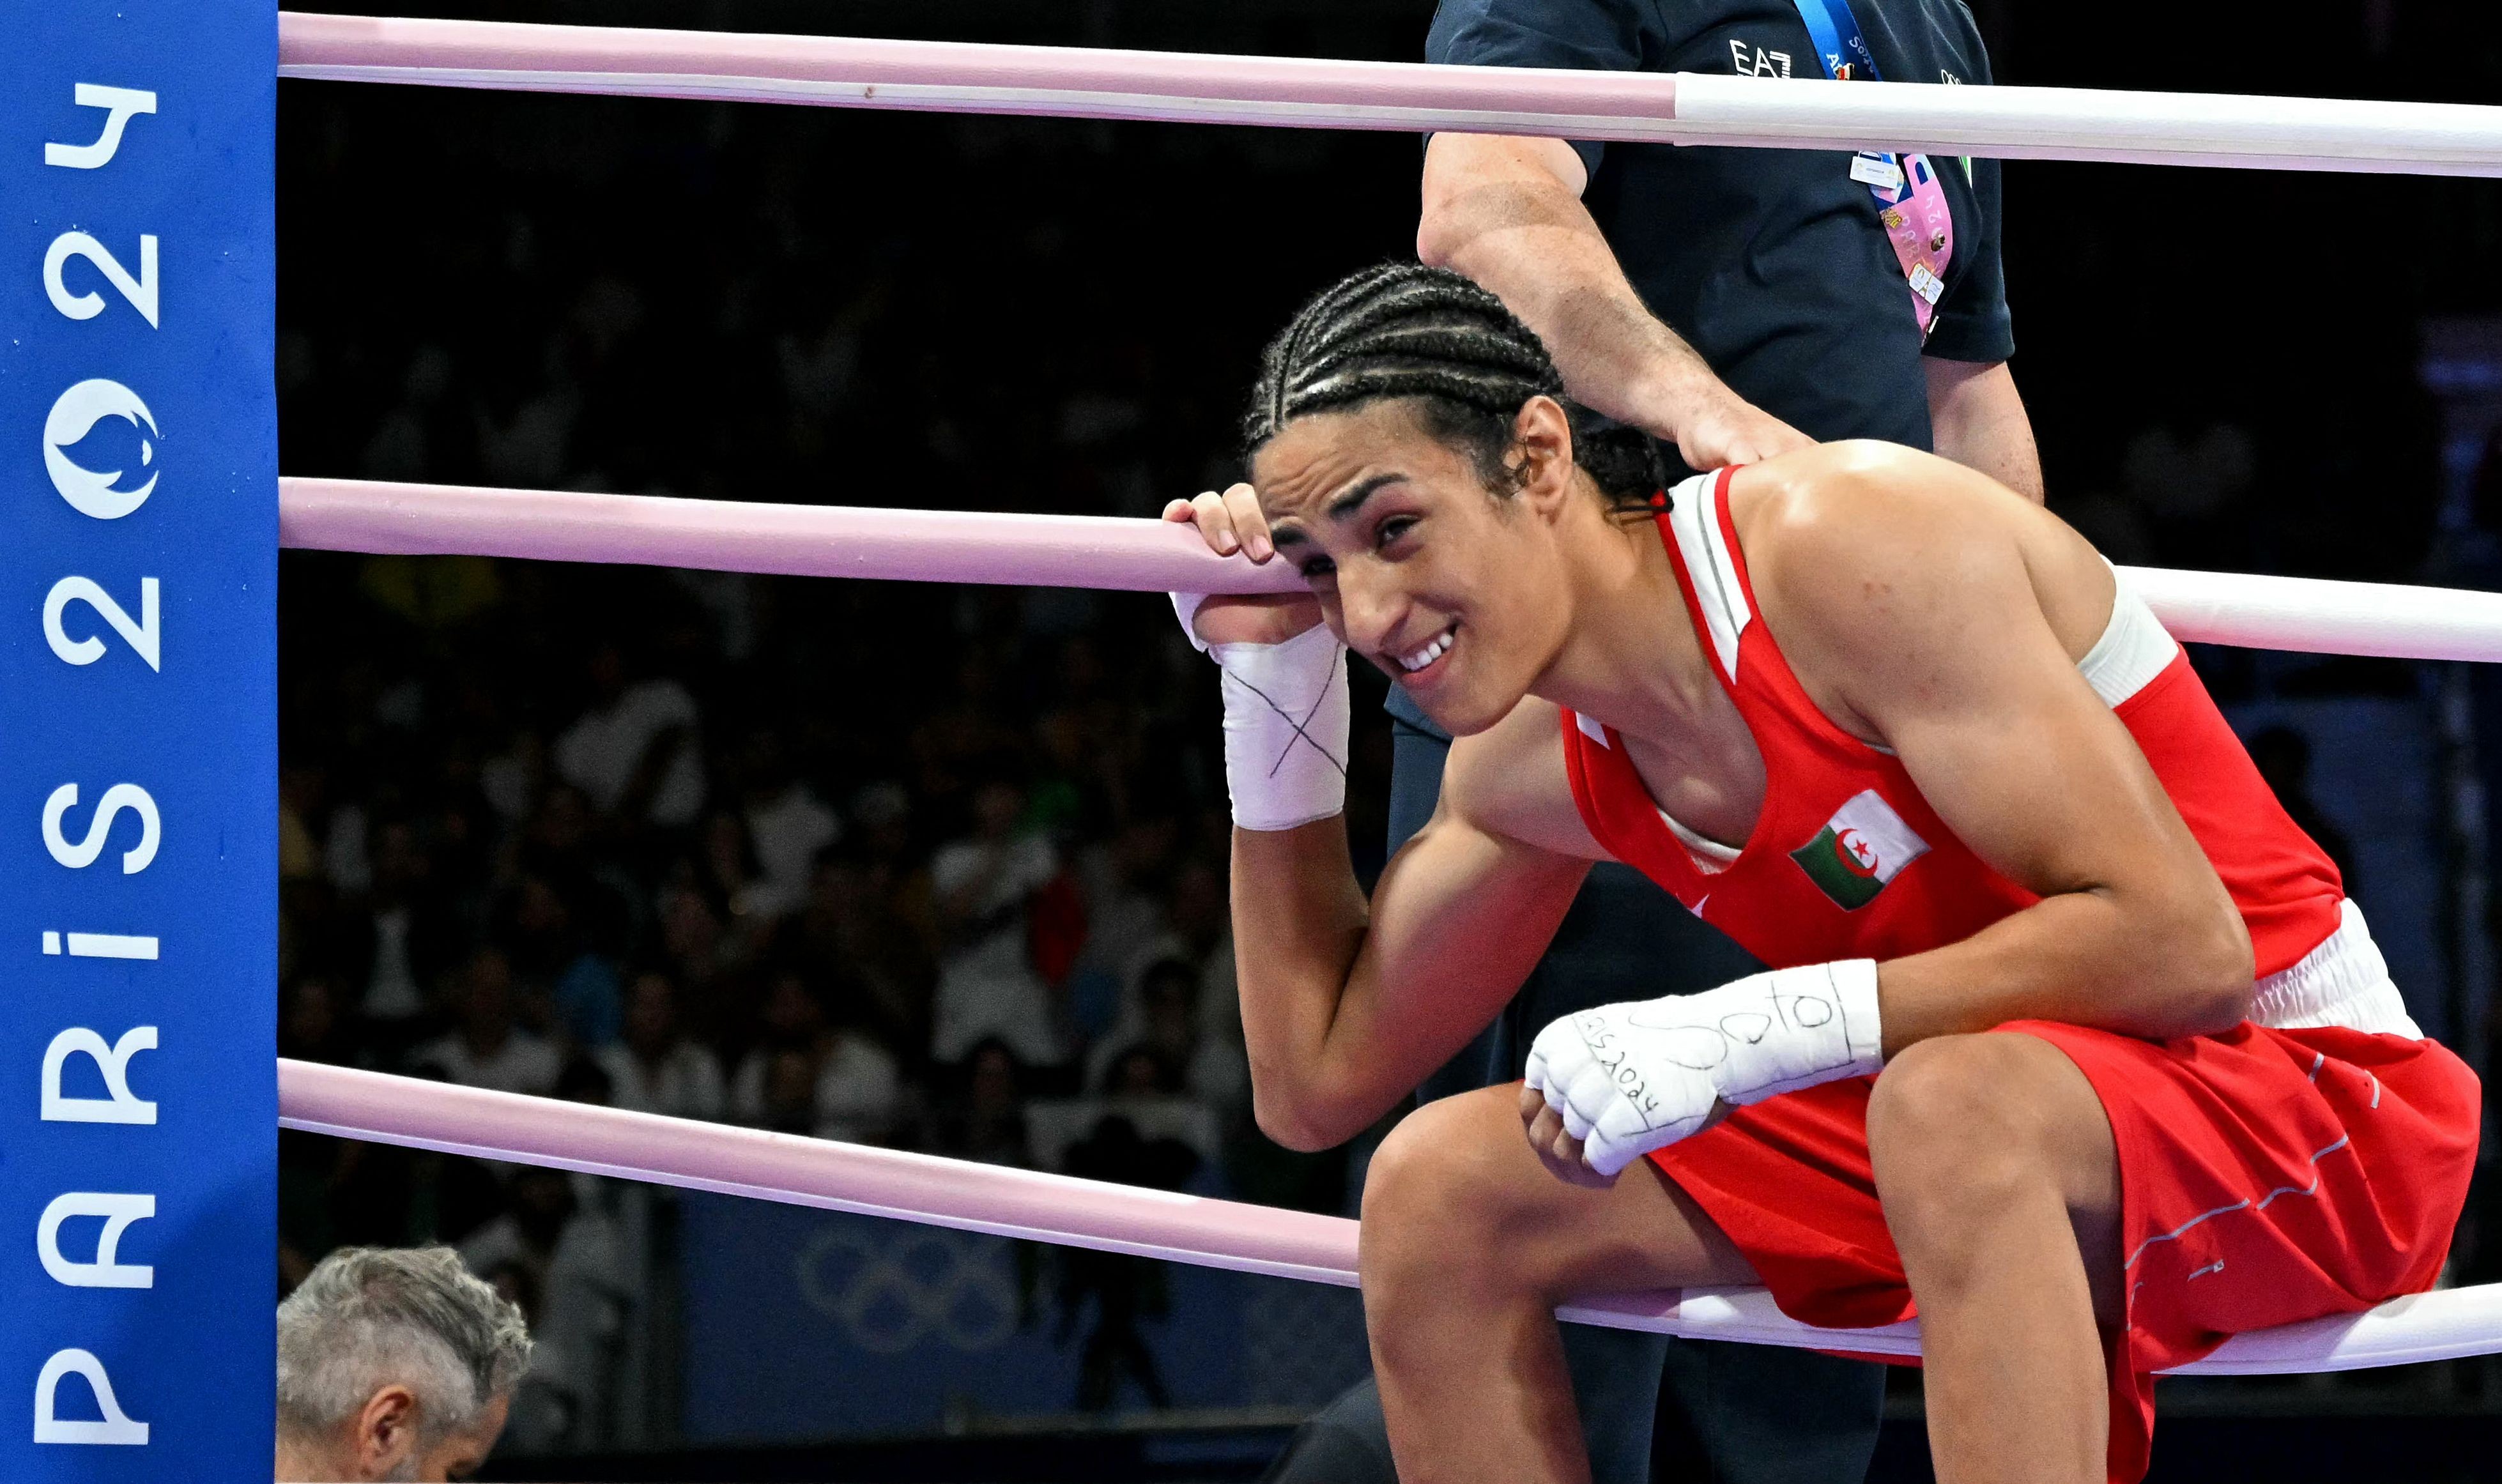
{"points": [[1864, 845]]}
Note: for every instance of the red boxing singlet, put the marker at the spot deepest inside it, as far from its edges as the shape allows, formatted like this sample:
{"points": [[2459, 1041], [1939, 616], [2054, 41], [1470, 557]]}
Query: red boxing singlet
{"points": [[1847, 861], [2311, 1160]]}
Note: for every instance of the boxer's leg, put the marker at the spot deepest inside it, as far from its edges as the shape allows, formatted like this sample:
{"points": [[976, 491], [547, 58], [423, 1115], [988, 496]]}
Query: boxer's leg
{"points": [[2001, 1186], [1469, 1243]]}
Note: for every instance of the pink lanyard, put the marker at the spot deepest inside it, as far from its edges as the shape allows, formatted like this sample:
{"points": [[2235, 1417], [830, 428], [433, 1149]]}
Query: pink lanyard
{"points": [[1912, 205], [1910, 201]]}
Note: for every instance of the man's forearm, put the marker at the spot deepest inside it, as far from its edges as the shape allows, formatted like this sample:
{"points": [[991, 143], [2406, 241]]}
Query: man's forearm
{"points": [[1506, 219], [1507, 214], [1978, 419]]}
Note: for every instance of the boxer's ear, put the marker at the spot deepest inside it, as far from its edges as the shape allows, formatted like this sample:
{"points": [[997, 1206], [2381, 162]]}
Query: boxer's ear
{"points": [[1541, 455]]}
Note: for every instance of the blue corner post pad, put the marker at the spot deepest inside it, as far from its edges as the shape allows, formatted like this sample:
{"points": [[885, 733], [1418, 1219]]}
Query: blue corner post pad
{"points": [[138, 739]]}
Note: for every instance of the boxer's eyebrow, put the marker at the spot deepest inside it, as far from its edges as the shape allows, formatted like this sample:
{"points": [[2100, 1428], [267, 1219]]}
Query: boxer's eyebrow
{"points": [[1349, 503]]}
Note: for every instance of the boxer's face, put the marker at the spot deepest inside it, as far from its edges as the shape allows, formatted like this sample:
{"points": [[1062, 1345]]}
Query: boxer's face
{"points": [[1455, 591]]}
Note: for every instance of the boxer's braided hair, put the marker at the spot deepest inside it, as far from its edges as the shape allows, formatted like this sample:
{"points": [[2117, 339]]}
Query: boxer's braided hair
{"points": [[1404, 330]]}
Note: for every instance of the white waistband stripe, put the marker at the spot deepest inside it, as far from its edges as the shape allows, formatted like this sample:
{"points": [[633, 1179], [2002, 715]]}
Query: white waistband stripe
{"points": [[2343, 981]]}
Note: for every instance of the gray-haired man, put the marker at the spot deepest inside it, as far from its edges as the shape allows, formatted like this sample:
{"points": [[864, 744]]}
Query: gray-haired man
{"points": [[395, 1365]]}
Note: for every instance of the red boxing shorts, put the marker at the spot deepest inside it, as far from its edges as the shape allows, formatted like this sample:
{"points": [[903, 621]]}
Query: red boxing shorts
{"points": [[2266, 1176]]}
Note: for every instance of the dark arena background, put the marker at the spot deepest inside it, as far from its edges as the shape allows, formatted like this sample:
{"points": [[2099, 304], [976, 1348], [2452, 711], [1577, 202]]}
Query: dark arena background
{"points": [[541, 822]]}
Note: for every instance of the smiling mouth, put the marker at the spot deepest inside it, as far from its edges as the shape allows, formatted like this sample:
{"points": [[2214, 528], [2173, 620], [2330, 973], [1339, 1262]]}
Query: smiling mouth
{"points": [[1435, 650]]}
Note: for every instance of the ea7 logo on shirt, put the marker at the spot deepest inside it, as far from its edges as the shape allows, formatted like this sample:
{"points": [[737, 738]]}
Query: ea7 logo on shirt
{"points": [[1757, 63], [1859, 849]]}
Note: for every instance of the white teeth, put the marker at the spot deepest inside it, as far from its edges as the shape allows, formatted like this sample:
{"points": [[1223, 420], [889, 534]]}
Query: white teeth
{"points": [[1428, 654]]}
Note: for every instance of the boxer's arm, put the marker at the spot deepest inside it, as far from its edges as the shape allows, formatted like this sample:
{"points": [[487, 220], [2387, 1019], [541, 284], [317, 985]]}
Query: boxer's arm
{"points": [[1507, 212], [1348, 1005], [1923, 609], [1978, 419]]}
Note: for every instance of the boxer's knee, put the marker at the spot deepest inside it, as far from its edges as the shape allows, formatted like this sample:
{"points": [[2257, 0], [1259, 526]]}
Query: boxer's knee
{"points": [[1967, 1132], [1962, 1123], [1454, 1202], [1425, 1206]]}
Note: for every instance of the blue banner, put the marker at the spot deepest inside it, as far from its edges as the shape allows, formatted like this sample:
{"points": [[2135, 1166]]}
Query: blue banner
{"points": [[138, 793], [875, 1328]]}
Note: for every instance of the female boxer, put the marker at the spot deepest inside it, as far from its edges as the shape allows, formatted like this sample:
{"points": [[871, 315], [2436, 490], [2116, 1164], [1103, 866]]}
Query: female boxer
{"points": [[2071, 1043]]}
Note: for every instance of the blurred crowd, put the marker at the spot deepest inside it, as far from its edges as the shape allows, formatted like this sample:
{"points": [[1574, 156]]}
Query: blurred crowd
{"points": [[800, 892], [930, 867], [645, 883]]}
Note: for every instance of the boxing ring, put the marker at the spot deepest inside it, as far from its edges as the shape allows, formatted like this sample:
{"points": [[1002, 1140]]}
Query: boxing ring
{"points": [[2006, 122]]}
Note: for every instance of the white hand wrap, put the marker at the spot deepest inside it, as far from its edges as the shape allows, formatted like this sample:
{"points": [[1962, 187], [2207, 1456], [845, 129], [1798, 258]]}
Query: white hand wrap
{"points": [[1286, 709], [1631, 1078]]}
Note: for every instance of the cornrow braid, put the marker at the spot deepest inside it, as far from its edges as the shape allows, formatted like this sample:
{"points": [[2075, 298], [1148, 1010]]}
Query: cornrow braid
{"points": [[1403, 330]]}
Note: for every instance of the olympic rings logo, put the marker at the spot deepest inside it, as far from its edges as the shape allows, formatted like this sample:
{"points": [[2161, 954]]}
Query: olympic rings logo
{"points": [[890, 1295]]}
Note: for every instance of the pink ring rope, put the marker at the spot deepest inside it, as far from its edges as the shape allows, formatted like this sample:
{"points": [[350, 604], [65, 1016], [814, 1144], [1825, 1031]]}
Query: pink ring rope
{"points": [[939, 546], [2289, 613], [1061, 1209]]}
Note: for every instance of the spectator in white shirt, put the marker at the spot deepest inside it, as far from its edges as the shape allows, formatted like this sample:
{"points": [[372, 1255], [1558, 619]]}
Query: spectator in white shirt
{"points": [[858, 1091], [402, 945], [787, 826], [574, 1260], [732, 884], [655, 1069], [635, 751], [984, 1119], [486, 1048], [1167, 1030], [783, 1084], [804, 1078], [987, 982]]}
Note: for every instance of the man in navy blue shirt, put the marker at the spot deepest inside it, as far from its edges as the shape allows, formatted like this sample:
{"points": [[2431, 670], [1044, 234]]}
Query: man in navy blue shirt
{"points": [[1733, 302], [1736, 304]]}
